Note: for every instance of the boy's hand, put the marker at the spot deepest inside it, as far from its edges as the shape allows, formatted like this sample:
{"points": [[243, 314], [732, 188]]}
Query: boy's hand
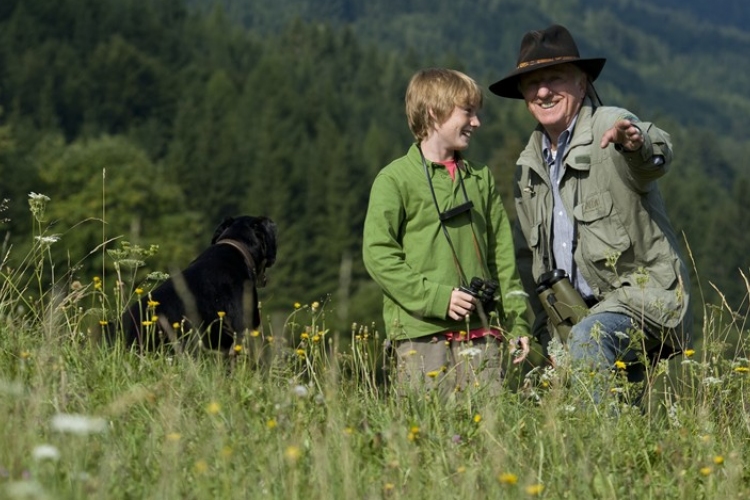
{"points": [[461, 305]]}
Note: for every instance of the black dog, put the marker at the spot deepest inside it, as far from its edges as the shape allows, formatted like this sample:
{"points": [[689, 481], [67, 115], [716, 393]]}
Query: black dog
{"points": [[215, 296]]}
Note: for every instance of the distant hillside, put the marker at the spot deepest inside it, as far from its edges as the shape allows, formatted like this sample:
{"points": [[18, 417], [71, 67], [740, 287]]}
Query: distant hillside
{"points": [[689, 60]]}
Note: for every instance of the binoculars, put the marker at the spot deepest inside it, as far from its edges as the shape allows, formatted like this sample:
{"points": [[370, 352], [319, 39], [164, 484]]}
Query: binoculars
{"points": [[484, 291], [564, 305]]}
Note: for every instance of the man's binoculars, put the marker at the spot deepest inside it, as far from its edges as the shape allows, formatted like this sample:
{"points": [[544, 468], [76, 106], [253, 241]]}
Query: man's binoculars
{"points": [[564, 305]]}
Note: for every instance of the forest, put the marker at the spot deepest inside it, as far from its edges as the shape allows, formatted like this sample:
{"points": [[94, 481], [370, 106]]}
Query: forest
{"points": [[148, 122]]}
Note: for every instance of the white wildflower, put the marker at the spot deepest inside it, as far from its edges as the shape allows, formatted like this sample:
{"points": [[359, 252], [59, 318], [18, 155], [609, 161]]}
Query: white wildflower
{"points": [[38, 197], [47, 240], [622, 335], [45, 452], [37, 205], [673, 415], [470, 352], [78, 424], [300, 391], [711, 381]]}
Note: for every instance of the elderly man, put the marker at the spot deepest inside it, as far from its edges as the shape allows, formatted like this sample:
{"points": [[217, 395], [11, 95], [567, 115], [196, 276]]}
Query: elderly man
{"points": [[588, 204]]}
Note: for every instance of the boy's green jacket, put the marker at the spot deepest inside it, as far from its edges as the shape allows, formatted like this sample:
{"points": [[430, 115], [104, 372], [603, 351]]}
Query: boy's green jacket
{"points": [[407, 253]]}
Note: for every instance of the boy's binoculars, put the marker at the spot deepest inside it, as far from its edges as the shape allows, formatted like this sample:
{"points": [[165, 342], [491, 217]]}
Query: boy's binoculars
{"points": [[564, 305]]}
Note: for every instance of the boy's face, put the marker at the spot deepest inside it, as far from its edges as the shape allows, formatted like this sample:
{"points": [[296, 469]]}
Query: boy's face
{"points": [[455, 132]]}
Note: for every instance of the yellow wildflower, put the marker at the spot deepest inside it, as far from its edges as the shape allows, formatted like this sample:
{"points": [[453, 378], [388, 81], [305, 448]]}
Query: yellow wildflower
{"points": [[433, 373], [689, 352], [315, 306], [507, 478], [477, 418], [297, 305], [742, 369], [719, 460], [238, 348], [292, 453], [705, 471], [535, 489], [200, 466], [102, 322], [175, 326], [388, 486], [25, 354], [316, 338], [173, 436], [271, 424], [147, 323], [254, 333], [139, 291], [221, 314], [620, 365], [461, 469], [213, 408], [301, 353], [152, 303], [304, 336]]}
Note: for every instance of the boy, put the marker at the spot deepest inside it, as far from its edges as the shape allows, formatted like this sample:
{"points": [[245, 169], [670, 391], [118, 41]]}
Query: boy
{"points": [[434, 222]]}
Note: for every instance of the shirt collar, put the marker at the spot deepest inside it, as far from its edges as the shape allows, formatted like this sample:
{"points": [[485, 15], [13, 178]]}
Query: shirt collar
{"points": [[414, 154], [562, 142]]}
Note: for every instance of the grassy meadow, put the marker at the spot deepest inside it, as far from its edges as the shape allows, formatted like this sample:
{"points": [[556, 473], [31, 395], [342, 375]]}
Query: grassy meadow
{"points": [[301, 412]]}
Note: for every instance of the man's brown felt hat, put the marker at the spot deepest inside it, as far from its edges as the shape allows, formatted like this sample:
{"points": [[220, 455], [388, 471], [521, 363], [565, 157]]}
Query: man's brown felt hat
{"points": [[542, 49]]}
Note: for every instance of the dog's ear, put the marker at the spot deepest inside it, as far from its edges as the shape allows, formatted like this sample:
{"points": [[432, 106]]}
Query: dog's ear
{"points": [[269, 230], [221, 228]]}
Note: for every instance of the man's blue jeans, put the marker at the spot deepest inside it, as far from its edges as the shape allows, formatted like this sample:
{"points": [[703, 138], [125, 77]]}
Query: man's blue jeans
{"points": [[600, 339]]}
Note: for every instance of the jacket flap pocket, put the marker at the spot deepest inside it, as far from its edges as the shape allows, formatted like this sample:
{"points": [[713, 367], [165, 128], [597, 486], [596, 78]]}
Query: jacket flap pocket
{"points": [[594, 207]]}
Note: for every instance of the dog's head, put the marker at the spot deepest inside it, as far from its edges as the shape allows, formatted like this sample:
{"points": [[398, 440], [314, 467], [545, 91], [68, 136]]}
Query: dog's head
{"points": [[257, 234]]}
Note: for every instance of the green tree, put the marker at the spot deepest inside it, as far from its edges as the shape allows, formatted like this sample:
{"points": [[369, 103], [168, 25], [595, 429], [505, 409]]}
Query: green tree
{"points": [[107, 189]]}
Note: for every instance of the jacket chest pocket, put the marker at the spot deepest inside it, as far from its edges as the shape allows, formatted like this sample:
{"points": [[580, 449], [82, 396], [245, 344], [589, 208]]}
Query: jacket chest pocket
{"points": [[602, 236]]}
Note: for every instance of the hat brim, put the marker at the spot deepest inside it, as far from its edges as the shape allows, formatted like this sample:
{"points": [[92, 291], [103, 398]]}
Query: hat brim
{"points": [[508, 86]]}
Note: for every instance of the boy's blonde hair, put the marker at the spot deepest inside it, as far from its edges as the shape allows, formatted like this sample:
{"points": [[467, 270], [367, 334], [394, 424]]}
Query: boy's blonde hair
{"points": [[438, 90]]}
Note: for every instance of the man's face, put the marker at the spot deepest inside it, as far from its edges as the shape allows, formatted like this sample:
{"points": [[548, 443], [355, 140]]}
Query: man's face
{"points": [[554, 95]]}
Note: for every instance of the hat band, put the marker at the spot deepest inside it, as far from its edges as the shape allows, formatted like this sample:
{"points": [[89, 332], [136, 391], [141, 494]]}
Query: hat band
{"points": [[543, 61]]}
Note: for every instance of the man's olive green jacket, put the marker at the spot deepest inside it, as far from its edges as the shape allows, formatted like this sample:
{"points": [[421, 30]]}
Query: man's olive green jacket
{"points": [[625, 246]]}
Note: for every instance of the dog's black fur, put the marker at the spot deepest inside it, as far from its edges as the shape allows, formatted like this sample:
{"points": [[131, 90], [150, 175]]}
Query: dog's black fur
{"points": [[224, 278]]}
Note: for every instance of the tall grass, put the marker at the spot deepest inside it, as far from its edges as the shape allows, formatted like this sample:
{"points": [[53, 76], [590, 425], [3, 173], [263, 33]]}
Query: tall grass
{"points": [[303, 412]]}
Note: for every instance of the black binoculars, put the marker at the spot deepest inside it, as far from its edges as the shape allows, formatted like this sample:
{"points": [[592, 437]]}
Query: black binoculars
{"points": [[564, 305], [482, 290]]}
